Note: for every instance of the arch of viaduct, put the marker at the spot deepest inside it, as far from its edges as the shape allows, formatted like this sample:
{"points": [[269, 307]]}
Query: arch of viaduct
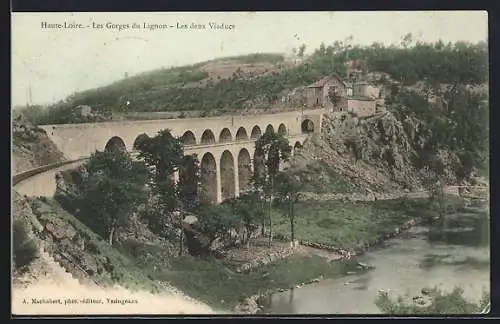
{"points": [[224, 146]]}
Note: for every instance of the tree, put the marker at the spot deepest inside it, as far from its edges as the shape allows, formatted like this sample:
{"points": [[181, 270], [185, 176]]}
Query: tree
{"points": [[187, 191], [164, 155], [249, 209], [216, 221], [113, 188], [302, 50], [288, 191], [274, 148]]}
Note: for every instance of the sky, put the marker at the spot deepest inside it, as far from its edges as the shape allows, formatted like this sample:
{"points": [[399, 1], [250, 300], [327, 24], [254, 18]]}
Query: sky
{"points": [[56, 62]]}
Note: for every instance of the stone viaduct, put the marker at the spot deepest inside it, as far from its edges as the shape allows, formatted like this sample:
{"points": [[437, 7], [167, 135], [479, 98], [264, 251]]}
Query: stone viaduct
{"points": [[225, 146]]}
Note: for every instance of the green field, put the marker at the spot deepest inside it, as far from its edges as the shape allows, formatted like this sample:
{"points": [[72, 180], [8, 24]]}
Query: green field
{"points": [[347, 224]]}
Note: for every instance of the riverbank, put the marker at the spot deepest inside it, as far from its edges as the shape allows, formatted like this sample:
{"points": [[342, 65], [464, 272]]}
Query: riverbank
{"points": [[355, 226], [332, 228], [445, 255], [215, 284], [220, 285]]}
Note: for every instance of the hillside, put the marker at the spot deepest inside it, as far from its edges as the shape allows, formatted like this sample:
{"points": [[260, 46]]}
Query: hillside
{"points": [[31, 147], [257, 81], [204, 88], [412, 144]]}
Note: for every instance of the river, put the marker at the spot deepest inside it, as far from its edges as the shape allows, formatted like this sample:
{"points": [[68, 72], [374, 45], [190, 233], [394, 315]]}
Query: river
{"points": [[453, 253]]}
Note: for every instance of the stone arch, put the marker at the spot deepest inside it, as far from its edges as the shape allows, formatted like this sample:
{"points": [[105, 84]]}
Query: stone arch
{"points": [[188, 180], [140, 140], [225, 136], [241, 134], [207, 137], [258, 163], [244, 169], [307, 126], [115, 143], [227, 175], [269, 129], [208, 178], [188, 138], [256, 132], [282, 130], [297, 147]]}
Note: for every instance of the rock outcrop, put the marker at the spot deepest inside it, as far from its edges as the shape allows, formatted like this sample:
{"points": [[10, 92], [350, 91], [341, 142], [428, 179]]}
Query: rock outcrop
{"points": [[31, 147]]}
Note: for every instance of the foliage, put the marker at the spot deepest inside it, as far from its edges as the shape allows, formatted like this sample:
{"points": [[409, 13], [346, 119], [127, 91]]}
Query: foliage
{"points": [[188, 184], [288, 189], [213, 283], [248, 207], [322, 177], [141, 141], [115, 267], [112, 190], [215, 221], [440, 303], [459, 125], [271, 150], [277, 149], [25, 249], [159, 91], [349, 224], [163, 153]]}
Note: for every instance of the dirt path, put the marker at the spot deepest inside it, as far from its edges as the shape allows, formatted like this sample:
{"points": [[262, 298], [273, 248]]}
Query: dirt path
{"points": [[386, 196], [35, 293]]}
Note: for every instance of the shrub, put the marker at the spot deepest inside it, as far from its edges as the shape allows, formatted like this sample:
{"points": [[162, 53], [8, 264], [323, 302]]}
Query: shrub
{"points": [[25, 249]]}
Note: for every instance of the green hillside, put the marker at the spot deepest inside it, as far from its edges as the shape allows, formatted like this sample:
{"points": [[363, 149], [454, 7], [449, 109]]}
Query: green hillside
{"points": [[201, 87]]}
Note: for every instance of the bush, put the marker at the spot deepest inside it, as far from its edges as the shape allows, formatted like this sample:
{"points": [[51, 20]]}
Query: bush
{"points": [[25, 249], [439, 303]]}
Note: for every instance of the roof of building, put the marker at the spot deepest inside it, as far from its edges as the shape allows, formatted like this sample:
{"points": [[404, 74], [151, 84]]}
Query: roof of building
{"points": [[321, 82], [361, 98]]}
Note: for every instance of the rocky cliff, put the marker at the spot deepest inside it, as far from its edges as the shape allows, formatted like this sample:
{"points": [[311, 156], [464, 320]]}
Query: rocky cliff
{"points": [[31, 147], [373, 154]]}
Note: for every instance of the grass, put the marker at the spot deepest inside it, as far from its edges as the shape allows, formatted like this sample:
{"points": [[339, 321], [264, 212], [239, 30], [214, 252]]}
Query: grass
{"points": [[347, 224], [141, 266], [213, 283], [116, 267], [321, 177]]}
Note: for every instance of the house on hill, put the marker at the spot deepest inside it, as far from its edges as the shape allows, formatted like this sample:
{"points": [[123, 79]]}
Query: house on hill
{"points": [[365, 89], [329, 92], [360, 98], [363, 101], [361, 106]]}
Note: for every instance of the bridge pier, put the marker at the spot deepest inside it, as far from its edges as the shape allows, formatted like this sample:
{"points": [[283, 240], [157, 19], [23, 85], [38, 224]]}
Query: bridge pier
{"points": [[218, 183], [236, 178]]}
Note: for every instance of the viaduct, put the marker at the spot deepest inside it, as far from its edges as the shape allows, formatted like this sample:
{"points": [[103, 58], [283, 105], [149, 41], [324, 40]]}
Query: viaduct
{"points": [[225, 146]]}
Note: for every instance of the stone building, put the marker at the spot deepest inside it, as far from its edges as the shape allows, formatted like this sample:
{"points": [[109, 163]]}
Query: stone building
{"points": [[361, 106], [365, 89], [364, 99], [329, 92]]}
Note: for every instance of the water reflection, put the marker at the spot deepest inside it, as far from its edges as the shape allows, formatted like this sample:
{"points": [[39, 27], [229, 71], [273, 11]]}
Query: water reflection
{"points": [[452, 253]]}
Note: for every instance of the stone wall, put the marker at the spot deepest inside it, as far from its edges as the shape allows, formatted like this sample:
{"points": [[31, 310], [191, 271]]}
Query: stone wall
{"points": [[272, 256]]}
